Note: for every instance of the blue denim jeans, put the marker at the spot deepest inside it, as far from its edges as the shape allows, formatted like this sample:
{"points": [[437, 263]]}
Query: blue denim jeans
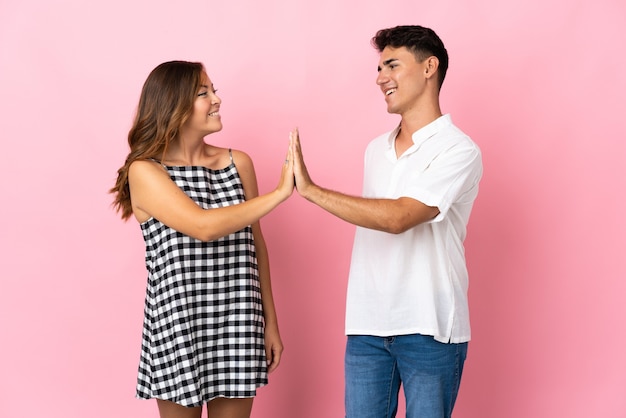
{"points": [[430, 373]]}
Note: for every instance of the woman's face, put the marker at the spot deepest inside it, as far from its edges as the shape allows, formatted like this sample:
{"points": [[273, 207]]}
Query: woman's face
{"points": [[205, 118]]}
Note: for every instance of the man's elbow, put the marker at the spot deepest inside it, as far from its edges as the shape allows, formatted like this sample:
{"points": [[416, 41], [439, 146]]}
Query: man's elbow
{"points": [[401, 224], [401, 229], [397, 226]]}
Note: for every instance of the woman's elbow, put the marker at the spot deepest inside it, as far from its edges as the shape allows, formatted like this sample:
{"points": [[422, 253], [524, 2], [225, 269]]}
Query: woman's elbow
{"points": [[205, 233]]}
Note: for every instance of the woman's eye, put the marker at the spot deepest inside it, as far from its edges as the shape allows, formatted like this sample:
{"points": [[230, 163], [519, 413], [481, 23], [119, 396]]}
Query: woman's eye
{"points": [[203, 94]]}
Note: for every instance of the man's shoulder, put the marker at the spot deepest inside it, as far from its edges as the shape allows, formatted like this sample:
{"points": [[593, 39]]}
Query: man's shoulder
{"points": [[451, 135], [383, 139]]}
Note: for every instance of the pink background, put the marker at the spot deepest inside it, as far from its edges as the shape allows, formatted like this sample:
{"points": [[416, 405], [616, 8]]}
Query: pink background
{"points": [[539, 85]]}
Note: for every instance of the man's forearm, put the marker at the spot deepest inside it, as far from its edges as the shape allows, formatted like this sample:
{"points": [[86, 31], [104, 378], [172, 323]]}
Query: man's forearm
{"points": [[387, 215]]}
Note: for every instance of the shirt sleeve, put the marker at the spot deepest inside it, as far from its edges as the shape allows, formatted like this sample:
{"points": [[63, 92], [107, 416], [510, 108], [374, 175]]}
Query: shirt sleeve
{"points": [[451, 177]]}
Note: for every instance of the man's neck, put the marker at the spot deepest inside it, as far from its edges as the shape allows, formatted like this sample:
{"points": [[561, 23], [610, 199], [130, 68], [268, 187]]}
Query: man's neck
{"points": [[411, 124], [416, 119]]}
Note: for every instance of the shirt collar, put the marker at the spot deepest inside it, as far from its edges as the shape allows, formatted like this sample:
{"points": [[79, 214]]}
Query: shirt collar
{"points": [[421, 135]]}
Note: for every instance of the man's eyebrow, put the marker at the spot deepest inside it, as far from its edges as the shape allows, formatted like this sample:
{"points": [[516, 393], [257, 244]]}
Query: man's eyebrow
{"points": [[387, 62]]}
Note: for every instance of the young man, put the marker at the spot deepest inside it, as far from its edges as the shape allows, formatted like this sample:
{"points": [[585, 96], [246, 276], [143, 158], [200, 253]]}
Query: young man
{"points": [[407, 316]]}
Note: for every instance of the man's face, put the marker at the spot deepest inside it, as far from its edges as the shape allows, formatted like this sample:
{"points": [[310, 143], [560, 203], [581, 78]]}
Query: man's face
{"points": [[401, 79]]}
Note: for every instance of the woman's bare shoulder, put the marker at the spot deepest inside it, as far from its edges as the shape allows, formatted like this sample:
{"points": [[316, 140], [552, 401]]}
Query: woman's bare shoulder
{"points": [[242, 160], [145, 167]]}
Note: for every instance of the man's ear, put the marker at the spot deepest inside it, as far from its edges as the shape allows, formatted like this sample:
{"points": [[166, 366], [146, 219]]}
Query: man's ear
{"points": [[431, 66]]}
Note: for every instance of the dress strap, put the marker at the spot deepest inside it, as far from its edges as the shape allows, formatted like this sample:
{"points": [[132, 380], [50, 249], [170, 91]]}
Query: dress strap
{"points": [[230, 153], [158, 162]]}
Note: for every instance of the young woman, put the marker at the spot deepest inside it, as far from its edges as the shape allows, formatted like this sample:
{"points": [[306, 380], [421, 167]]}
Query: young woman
{"points": [[210, 331]]}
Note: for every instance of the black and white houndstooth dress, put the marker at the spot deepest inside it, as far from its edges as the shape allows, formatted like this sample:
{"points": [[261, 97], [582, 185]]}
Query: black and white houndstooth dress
{"points": [[203, 326]]}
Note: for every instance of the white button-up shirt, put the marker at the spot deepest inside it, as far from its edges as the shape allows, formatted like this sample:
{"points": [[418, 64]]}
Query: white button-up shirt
{"points": [[416, 282]]}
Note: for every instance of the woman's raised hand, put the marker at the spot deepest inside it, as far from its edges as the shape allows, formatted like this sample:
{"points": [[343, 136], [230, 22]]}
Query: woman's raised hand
{"points": [[286, 183]]}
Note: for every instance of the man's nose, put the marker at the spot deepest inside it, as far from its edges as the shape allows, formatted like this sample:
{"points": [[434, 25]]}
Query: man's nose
{"points": [[382, 78]]}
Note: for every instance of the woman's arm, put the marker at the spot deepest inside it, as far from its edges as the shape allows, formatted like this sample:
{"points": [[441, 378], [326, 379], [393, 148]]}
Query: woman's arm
{"points": [[273, 342], [154, 194]]}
